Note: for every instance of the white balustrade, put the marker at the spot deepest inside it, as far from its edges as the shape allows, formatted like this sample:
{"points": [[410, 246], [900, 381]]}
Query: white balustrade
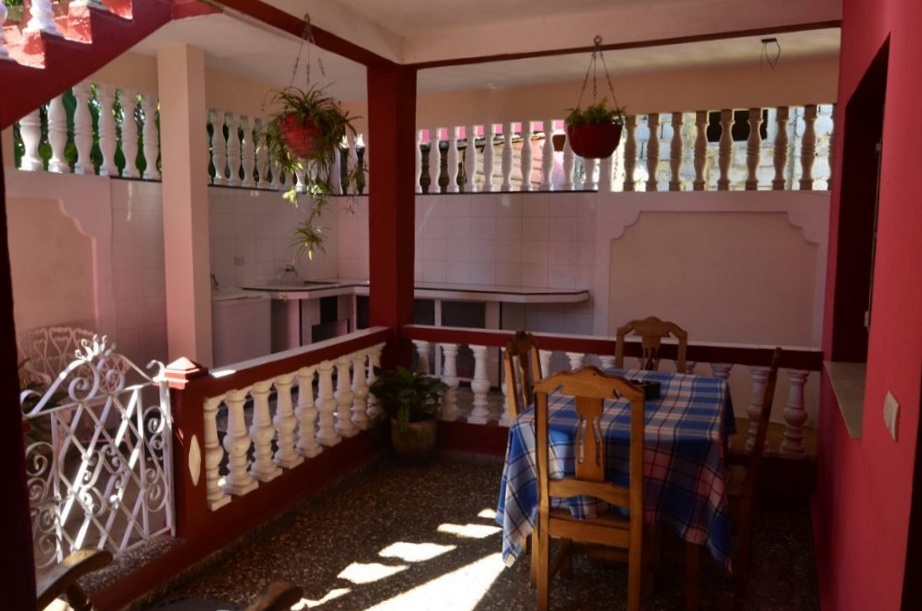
{"points": [[589, 181], [547, 158], [261, 433], [306, 412], [149, 106], [326, 405], [450, 410], [374, 361], [527, 155], [675, 153], [105, 95], [30, 129], [4, 54], [42, 19], [576, 360], [435, 160], [129, 102], [419, 160], [506, 166], [701, 147], [83, 128], [366, 159], [360, 392], [218, 147], [262, 155], [344, 396], [422, 354], [489, 133], [795, 415], [213, 454], [630, 153], [470, 160], [652, 151], [247, 152], [480, 386], [238, 480], [753, 149], [808, 148], [725, 150], [57, 135], [569, 164], [233, 149], [285, 423], [780, 157], [721, 370], [758, 377], [452, 159]]}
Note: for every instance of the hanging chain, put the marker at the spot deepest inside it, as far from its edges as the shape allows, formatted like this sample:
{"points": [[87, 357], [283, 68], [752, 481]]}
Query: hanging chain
{"points": [[307, 36], [596, 54]]}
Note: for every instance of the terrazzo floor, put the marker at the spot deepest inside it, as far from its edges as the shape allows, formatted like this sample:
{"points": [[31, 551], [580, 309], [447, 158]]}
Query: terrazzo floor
{"points": [[423, 538]]}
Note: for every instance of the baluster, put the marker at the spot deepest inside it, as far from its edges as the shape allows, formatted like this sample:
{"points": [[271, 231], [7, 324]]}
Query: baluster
{"points": [[419, 161], [57, 136], [576, 360], [30, 130], [129, 102], [690, 367], [480, 386], [218, 148], [306, 413], [470, 159], [589, 182], [344, 398], [701, 150], [527, 155], [794, 414], [721, 370], [676, 153], [607, 361], [780, 157], [830, 155], [326, 404], [214, 453], [569, 164], [453, 160], [42, 18], [544, 357], [605, 173], [753, 149], [352, 156], [262, 153], [261, 433], [285, 423], [336, 173], [374, 361], [630, 152], [4, 54], [489, 135], [151, 137], [105, 95], [652, 151], [236, 442], [279, 177], [83, 128], [359, 392], [300, 178], [450, 410], [506, 184], [725, 150], [547, 157], [247, 152], [808, 148], [435, 160], [366, 161], [617, 170], [758, 376], [233, 149], [422, 352]]}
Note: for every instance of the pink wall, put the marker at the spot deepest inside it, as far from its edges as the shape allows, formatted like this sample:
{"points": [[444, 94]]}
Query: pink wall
{"points": [[863, 502]]}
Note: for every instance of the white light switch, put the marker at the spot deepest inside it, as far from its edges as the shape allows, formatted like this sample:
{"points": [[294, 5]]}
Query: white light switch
{"points": [[891, 414]]}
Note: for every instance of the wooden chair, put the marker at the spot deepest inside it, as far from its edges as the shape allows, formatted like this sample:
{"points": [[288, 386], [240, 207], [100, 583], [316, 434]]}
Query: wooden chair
{"points": [[742, 475], [62, 579], [590, 387], [651, 331], [523, 369]]}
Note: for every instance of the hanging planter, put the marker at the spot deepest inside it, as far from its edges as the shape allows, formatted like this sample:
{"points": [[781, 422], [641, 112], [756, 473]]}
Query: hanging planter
{"points": [[299, 135], [595, 132]]}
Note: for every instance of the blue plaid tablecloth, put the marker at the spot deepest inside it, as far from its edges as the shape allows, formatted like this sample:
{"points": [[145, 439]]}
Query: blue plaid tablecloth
{"points": [[684, 472]]}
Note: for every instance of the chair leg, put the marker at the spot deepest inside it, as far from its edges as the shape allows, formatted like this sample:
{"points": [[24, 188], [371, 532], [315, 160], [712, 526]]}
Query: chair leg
{"points": [[743, 558], [541, 569]]}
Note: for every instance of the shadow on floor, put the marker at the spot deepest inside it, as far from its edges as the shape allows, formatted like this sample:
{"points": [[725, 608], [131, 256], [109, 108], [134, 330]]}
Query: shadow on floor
{"points": [[423, 538]]}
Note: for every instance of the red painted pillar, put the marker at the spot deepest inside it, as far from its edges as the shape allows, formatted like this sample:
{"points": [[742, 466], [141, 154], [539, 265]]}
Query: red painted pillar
{"points": [[17, 565], [391, 126]]}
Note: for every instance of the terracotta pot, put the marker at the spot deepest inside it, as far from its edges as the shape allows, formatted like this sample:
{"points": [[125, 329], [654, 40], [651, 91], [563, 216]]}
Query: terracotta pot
{"points": [[417, 444], [596, 141], [299, 136]]}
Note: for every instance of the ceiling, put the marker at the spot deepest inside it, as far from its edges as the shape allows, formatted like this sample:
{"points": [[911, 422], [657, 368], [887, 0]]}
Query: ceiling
{"points": [[239, 45]]}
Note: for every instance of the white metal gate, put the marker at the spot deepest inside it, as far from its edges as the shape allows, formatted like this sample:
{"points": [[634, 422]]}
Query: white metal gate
{"points": [[98, 452]]}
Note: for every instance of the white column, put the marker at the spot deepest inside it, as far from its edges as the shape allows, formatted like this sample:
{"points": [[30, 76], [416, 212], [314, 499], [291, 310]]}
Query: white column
{"points": [[83, 128], [248, 152], [344, 398], [470, 159], [359, 391], [261, 433], [285, 423], [214, 494], [547, 156], [236, 442], [480, 386], [506, 184], [453, 160], [105, 95], [151, 136], [527, 162], [435, 160], [306, 412], [450, 410], [30, 130], [758, 375], [794, 415], [326, 404], [129, 102], [488, 136], [57, 136]]}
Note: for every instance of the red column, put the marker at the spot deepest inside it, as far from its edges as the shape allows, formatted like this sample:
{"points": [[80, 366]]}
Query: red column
{"points": [[392, 124], [17, 564]]}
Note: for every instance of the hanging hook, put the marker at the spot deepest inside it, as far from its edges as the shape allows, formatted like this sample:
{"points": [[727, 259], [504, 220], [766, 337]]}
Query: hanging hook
{"points": [[767, 56]]}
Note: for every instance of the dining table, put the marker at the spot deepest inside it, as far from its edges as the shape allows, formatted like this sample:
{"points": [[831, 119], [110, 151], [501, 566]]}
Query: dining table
{"points": [[685, 443]]}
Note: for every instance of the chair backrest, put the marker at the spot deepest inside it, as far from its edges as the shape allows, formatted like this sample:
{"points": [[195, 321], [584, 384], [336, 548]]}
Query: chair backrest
{"points": [[651, 331], [591, 387], [49, 350], [522, 369], [765, 412]]}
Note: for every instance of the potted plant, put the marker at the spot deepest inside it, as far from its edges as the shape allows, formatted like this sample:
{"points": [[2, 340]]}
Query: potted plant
{"points": [[594, 132], [411, 401], [304, 136]]}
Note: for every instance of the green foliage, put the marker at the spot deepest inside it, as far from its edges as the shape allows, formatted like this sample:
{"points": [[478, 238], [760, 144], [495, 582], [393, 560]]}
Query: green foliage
{"points": [[595, 114], [316, 107], [407, 396]]}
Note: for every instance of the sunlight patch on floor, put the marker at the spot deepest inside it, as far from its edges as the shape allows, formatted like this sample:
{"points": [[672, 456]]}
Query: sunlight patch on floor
{"points": [[415, 552], [459, 590], [487, 514], [360, 572], [332, 594], [469, 531]]}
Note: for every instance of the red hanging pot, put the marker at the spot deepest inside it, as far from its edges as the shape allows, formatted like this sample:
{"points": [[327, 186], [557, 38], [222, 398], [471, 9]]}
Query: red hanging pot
{"points": [[594, 140], [299, 135]]}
